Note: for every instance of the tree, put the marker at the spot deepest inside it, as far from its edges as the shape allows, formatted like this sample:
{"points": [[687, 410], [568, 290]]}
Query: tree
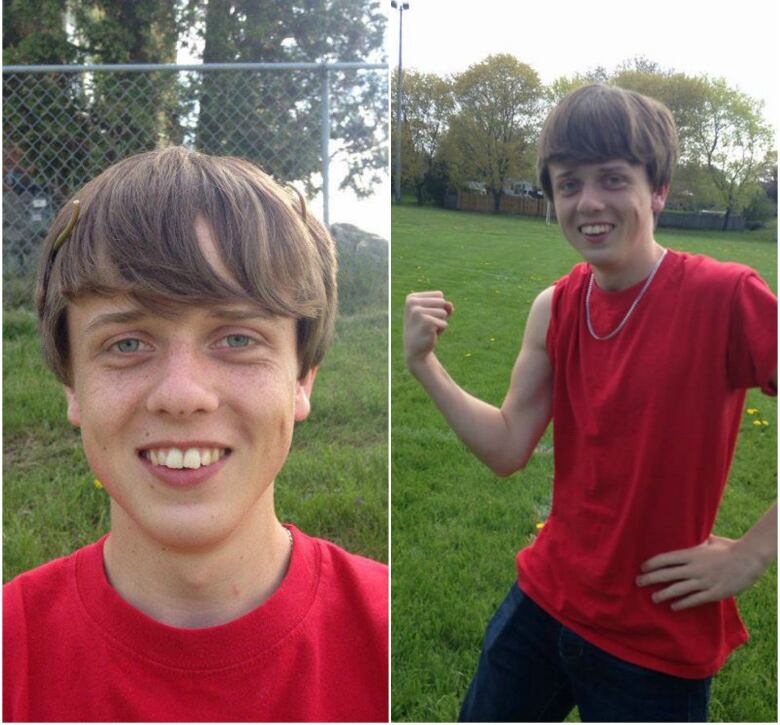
{"points": [[275, 119], [128, 111], [683, 95], [733, 144], [143, 31], [67, 127], [428, 104], [565, 84], [769, 181], [493, 133], [34, 32]]}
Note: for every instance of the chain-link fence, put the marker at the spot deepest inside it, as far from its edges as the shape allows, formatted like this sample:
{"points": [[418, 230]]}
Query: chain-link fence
{"points": [[63, 125]]}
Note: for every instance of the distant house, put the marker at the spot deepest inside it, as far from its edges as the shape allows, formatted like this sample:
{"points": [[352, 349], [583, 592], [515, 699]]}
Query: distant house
{"points": [[513, 187], [681, 200], [476, 187]]}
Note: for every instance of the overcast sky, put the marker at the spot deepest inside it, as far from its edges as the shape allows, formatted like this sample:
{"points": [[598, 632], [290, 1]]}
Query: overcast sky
{"points": [[736, 40]]}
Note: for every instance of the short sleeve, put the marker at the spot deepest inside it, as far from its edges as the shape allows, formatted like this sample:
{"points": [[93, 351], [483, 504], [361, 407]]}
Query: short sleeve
{"points": [[752, 350]]}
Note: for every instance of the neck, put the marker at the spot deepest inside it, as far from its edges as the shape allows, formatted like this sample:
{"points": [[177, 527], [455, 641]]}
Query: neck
{"points": [[627, 273], [204, 588]]}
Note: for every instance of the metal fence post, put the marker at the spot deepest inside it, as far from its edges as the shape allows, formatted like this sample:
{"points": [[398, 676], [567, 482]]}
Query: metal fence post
{"points": [[325, 153]]}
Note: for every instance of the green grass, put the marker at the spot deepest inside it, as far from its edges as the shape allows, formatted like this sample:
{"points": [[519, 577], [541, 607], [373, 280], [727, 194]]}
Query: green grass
{"points": [[334, 484], [455, 525]]}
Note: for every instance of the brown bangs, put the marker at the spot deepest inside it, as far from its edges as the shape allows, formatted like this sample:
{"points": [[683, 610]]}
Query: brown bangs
{"points": [[598, 122], [136, 235]]}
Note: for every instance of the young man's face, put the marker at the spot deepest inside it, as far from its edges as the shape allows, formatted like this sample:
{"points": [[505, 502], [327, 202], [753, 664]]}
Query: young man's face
{"points": [[605, 209], [185, 420]]}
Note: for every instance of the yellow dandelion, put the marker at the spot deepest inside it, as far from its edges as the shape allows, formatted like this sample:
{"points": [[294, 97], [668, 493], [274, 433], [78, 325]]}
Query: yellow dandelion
{"points": [[492, 339], [756, 422], [97, 484], [540, 525], [752, 411], [764, 422], [468, 354]]}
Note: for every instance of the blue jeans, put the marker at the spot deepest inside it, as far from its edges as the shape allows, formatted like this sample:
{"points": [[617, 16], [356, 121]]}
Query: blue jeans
{"points": [[533, 669]]}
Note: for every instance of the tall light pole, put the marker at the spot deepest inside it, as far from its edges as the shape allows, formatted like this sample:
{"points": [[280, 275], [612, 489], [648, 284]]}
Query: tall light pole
{"points": [[401, 7]]}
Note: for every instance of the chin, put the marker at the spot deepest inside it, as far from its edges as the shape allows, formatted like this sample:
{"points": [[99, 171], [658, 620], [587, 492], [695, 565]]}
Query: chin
{"points": [[190, 531]]}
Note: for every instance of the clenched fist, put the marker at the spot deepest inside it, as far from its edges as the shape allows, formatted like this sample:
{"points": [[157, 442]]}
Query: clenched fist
{"points": [[425, 319]]}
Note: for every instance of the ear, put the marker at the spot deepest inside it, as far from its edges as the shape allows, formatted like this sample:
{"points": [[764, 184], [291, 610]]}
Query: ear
{"points": [[303, 395], [658, 199], [74, 412]]}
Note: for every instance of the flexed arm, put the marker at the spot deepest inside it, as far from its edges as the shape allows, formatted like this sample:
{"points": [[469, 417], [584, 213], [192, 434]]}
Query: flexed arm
{"points": [[503, 438]]}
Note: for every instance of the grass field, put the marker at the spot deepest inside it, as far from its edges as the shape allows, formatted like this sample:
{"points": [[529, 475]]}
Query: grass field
{"points": [[334, 484], [456, 526]]}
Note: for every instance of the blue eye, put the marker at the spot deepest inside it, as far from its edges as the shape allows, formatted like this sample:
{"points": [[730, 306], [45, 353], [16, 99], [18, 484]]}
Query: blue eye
{"points": [[615, 180], [567, 186], [237, 340], [128, 345]]}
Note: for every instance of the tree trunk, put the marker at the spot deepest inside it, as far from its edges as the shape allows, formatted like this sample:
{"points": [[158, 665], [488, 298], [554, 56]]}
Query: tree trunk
{"points": [[726, 218], [497, 200], [217, 49]]}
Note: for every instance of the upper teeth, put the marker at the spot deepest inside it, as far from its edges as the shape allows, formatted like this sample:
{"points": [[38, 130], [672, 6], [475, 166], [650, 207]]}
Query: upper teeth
{"points": [[595, 228], [190, 458]]}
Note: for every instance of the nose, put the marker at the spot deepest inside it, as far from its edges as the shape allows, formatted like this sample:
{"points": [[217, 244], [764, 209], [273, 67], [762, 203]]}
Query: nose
{"points": [[184, 384], [590, 199]]}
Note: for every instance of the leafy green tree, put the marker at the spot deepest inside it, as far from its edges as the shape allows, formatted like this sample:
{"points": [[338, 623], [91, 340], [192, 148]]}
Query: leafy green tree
{"points": [[493, 134], [143, 31], [428, 104], [34, 32], [67, 127], [733, 144], [769, 180], [266, 114], [683, 95], [273, 118], [131, 111], [566, 84]]}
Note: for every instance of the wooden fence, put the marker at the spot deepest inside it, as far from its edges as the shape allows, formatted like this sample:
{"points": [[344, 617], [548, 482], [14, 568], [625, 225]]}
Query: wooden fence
{"points": [[699, 220], [471, 201]]}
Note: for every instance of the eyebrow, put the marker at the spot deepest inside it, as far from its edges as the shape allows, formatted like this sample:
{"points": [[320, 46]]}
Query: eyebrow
{"points": [[563, 172], [568, 171], [122, 317], [613, 167], [114, 318], [237, 313]]}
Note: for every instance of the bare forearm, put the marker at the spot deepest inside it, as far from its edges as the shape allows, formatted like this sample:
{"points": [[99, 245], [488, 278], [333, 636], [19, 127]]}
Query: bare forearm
{"points": [[760, 542], [502, 438], [481, 426]]}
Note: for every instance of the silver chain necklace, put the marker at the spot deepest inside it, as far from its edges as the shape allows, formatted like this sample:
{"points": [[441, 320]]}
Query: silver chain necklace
{"points": [[630, 309]]}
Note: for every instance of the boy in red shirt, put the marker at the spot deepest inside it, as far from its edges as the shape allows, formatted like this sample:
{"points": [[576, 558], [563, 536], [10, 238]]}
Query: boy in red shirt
{"points": [[185, 302], [641, 356]]}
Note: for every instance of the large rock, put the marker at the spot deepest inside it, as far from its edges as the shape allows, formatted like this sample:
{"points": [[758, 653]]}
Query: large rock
{"points": [[353, 241]]}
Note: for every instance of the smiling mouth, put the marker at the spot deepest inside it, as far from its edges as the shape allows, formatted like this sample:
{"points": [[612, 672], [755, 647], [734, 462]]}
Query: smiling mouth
{"points": [[177, 458], [594, 230]]}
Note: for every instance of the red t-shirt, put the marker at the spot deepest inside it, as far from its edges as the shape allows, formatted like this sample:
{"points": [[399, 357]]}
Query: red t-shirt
{"points": [[316, 650], [644, 430]]}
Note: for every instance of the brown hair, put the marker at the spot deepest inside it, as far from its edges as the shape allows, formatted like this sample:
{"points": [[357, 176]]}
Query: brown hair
{"points": [[135, 235], [598, 122]]}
